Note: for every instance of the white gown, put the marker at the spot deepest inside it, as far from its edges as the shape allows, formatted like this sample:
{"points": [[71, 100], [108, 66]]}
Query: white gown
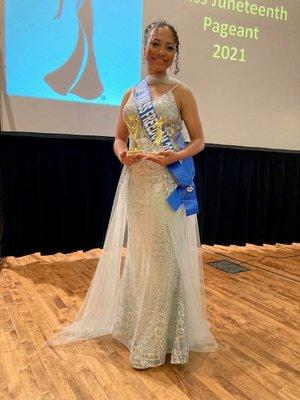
{"points": [[156, 303]]}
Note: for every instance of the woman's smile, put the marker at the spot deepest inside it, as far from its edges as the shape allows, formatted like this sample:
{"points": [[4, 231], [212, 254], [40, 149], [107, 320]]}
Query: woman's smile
{"points": [[159, 60]]}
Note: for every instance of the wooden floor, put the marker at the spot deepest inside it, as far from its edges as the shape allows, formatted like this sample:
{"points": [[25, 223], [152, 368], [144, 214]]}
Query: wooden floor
{"points": [[254, 316]]}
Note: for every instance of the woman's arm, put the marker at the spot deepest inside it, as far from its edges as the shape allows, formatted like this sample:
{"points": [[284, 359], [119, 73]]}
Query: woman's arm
{"points": [[190, 116], [189, 113]]}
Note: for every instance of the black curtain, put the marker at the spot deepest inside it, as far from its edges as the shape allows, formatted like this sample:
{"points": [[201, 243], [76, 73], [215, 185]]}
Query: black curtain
{"points": [[57, 192], [1, 220]]}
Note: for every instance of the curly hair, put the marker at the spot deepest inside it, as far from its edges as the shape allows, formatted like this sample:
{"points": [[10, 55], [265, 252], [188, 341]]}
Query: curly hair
{"points": [[154, 26]]}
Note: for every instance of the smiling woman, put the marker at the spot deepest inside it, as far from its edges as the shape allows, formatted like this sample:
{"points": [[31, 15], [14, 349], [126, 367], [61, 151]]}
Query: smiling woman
{"points": [[161, 47], [160, 51], [155, 305]]}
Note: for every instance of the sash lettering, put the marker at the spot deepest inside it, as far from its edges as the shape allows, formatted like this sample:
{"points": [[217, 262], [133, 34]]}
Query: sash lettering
{"points": [[182, 171]]}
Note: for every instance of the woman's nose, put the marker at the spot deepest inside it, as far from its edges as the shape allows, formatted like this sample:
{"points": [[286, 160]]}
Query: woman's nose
{"points": [[161, 51]]}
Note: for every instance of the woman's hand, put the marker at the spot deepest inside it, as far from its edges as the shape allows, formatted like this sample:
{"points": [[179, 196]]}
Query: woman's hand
{"points": [[129, 160], [163, 157]]}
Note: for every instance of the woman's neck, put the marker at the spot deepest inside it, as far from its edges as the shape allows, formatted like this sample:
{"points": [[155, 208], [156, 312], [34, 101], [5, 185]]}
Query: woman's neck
{"points": [[160, 80], [156, 73]]}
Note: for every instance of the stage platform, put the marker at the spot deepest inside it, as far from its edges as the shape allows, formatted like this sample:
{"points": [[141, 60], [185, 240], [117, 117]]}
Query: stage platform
{"points": [[254, 316]]}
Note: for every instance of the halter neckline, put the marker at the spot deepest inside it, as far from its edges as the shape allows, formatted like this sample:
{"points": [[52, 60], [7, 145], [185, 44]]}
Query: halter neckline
{"points": [[161, 79]]}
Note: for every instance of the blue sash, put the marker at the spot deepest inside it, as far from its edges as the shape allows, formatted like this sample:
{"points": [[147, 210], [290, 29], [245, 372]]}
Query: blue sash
{"points": [[183, 171]]}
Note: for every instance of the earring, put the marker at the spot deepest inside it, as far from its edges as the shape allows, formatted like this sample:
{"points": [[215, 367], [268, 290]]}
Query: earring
{"points": [[176, 61]]}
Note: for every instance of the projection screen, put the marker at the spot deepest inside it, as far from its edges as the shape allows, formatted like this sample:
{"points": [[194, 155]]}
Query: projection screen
{"points": [[67, 63]]}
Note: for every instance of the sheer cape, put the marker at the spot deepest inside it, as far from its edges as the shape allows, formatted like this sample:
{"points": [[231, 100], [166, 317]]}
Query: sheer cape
{"points": [[97, 314]]}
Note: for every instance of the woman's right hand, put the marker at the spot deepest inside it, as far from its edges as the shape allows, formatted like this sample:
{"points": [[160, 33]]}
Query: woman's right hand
{"points": [[129, 160]]}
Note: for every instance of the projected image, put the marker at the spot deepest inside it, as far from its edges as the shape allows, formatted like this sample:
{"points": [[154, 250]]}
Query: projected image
{"points": [[73, 50], [79, 74]]}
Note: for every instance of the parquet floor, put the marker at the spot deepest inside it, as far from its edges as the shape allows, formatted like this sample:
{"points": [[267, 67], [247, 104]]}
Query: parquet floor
{"points": [[254, 316]]}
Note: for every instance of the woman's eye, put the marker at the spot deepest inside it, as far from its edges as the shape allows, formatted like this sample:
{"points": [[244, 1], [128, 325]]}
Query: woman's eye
{"points": [[170, 48], [154, 44]]}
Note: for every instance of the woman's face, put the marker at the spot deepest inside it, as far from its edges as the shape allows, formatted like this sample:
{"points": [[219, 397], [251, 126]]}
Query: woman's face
{"points": [[160, 50]]}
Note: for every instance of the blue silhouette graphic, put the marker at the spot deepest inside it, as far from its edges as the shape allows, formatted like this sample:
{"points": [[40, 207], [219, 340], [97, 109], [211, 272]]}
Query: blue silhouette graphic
{"points": [[68, 77], [73, 50]]}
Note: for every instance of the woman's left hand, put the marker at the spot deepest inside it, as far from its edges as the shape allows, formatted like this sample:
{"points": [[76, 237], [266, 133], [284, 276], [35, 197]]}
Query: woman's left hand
{"points": [[163, 157]]}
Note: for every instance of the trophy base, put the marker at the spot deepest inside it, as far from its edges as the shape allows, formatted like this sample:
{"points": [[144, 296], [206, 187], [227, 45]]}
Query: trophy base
{"points": [[155, 153], [131, 153]]}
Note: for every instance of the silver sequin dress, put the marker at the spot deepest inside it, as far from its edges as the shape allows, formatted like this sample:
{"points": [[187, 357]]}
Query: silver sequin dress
{"points": [[151, 316], [155, 303]]}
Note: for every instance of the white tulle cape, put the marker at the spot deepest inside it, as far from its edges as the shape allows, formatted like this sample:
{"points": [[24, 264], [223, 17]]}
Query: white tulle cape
{"points": [[97, 314]]}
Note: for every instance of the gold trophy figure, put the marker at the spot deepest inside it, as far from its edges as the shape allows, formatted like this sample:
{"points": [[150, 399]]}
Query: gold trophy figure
{"points": [[159, 134], [133, 127]]}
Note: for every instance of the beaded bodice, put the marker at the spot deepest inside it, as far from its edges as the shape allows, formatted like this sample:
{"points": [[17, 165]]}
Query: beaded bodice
{"points": [[165, 106]]}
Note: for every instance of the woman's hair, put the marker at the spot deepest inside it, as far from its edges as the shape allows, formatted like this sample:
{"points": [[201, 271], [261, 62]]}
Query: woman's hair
{"points": [[155, 25]]}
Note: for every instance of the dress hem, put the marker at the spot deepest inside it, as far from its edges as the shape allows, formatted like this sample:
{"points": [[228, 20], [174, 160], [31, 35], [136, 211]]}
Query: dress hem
{"points": [[125, 342]]}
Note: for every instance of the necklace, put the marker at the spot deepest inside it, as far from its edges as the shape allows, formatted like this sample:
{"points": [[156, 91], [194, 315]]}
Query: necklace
{"points": [[160, 80]]}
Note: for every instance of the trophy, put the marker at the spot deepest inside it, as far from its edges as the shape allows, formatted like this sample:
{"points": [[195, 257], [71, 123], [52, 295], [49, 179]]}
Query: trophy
{"points": [[159, 134], [133, 127]]}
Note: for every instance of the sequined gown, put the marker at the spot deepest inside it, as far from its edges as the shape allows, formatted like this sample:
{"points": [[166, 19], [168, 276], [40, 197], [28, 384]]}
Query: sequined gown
{"points": [[151, 315], [155, 304]]}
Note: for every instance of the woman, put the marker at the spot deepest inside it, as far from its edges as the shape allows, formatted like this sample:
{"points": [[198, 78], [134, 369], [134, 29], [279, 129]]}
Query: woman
{"points": [[156, 304]]}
